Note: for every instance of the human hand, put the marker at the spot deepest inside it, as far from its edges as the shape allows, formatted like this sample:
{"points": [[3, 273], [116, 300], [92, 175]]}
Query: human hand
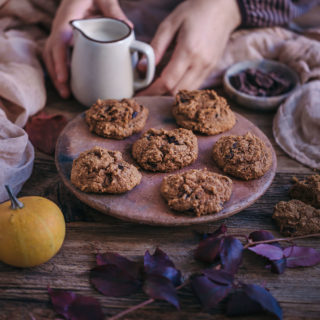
{"points": [[202, 28], [55, 53]]}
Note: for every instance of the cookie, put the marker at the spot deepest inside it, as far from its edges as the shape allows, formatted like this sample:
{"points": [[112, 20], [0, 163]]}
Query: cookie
{"points": [[307, 190], [245, 157], [116, 119], [165, 150], [196, 192], [203, 111], [295, 218], [103, 171]]}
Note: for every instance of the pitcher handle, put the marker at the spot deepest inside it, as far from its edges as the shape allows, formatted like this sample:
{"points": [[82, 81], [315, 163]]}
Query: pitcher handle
{"points": [[151, 66]]}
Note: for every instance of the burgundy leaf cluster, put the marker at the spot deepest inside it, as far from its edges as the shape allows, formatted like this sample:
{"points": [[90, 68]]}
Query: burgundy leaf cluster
{"points": [[215, 285], [158, 277], [282, 258], [117, 276]]}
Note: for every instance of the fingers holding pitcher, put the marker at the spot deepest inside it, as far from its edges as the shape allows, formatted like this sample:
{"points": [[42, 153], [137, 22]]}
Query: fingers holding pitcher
{"points": [[55, 53]]}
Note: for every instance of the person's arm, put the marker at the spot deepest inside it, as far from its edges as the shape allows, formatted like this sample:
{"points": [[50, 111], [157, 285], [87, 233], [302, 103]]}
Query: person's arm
{"points": [[200, 30], [268, 13]]}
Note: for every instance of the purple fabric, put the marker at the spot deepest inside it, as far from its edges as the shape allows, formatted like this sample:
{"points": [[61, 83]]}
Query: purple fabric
{"points": [[146, 15], [272, 12]]}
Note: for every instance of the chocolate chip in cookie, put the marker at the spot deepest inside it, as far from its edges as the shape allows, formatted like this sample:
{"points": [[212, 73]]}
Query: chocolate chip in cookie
{"points": [[245, 157], [116, 119], [165, 150], [103, 171], [196, 192], [203, 111]]}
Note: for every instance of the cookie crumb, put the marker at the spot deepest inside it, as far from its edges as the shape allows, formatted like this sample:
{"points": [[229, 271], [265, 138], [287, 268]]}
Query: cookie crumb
{"points": [[307, 190], [295, 218]]}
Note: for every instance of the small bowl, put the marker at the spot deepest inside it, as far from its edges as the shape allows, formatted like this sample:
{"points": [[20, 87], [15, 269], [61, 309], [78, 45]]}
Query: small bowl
{"points": [[254, 102]]}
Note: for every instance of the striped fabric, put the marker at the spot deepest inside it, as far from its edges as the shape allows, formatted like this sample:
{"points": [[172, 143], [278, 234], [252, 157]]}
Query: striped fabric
{"points": [[265, 13]]}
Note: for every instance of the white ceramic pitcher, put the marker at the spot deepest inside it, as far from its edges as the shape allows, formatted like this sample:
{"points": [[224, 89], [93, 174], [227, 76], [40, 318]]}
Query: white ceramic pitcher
{"points": [[103, 60]]}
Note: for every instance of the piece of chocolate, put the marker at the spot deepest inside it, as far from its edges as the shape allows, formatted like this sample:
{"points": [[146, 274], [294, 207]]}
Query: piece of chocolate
{"points": [[255, 82]]}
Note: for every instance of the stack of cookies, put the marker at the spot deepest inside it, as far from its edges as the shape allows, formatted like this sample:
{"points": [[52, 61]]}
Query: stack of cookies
{"points": [[193, 192]]}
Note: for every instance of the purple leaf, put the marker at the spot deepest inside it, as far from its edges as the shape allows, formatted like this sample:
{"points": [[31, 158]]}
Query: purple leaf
{"points": [[158, 287], [112, 281], [240, 304], [208, 250], [278, 266], [219, 276], [231, 254], [121, 262], [261, 235], [160, 264], [209, 293], [264, 298], [301, 256], [221, 230], [268, 251], [74, 306]]}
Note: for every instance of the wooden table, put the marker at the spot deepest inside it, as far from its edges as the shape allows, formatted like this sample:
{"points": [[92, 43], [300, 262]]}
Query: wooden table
{"points": [[23, 292]]}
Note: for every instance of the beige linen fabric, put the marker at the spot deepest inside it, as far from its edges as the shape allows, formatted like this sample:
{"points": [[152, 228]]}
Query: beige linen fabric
{"points": [[22, 89], [296, 126]]}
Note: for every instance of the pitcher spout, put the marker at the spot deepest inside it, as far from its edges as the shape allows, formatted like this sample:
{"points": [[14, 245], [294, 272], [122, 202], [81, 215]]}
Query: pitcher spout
{"points": [[103, 30]]}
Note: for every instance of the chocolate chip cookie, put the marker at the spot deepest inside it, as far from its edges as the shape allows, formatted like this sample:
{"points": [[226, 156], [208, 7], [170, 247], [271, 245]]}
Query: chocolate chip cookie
{"points": [[246, 157], [165, 150], [196, 192], [307, 190], [103, 171], [203, 111], [116, 119], [295, 218]]}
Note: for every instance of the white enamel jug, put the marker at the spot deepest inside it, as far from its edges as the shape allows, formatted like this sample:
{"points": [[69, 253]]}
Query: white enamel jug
{"points": [[104, 59]]}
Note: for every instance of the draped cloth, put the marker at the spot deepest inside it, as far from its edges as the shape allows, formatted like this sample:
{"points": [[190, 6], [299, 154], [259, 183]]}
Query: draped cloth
{"points": [[25, 24]]}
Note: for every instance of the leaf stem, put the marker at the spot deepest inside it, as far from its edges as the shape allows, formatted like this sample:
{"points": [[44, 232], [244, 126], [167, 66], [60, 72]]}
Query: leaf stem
{"points": [[250, 244], [142, 304], [131, 309]]}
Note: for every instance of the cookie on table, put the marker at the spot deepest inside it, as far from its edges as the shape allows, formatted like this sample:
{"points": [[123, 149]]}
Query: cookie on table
{"points": [[307, 190], [103, 171], [165, 150], [203, 111], [196, 192], [116, 119], [295, 218], [245, 157]]}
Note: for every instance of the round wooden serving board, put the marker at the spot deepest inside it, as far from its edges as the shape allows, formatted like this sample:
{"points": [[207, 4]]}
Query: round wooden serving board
{"points": [[144, 203]]}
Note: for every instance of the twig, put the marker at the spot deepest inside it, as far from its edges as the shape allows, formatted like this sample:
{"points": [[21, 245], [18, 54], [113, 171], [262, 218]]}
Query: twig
{"points": [[142, 304], [250, 244], [131, 309]]}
